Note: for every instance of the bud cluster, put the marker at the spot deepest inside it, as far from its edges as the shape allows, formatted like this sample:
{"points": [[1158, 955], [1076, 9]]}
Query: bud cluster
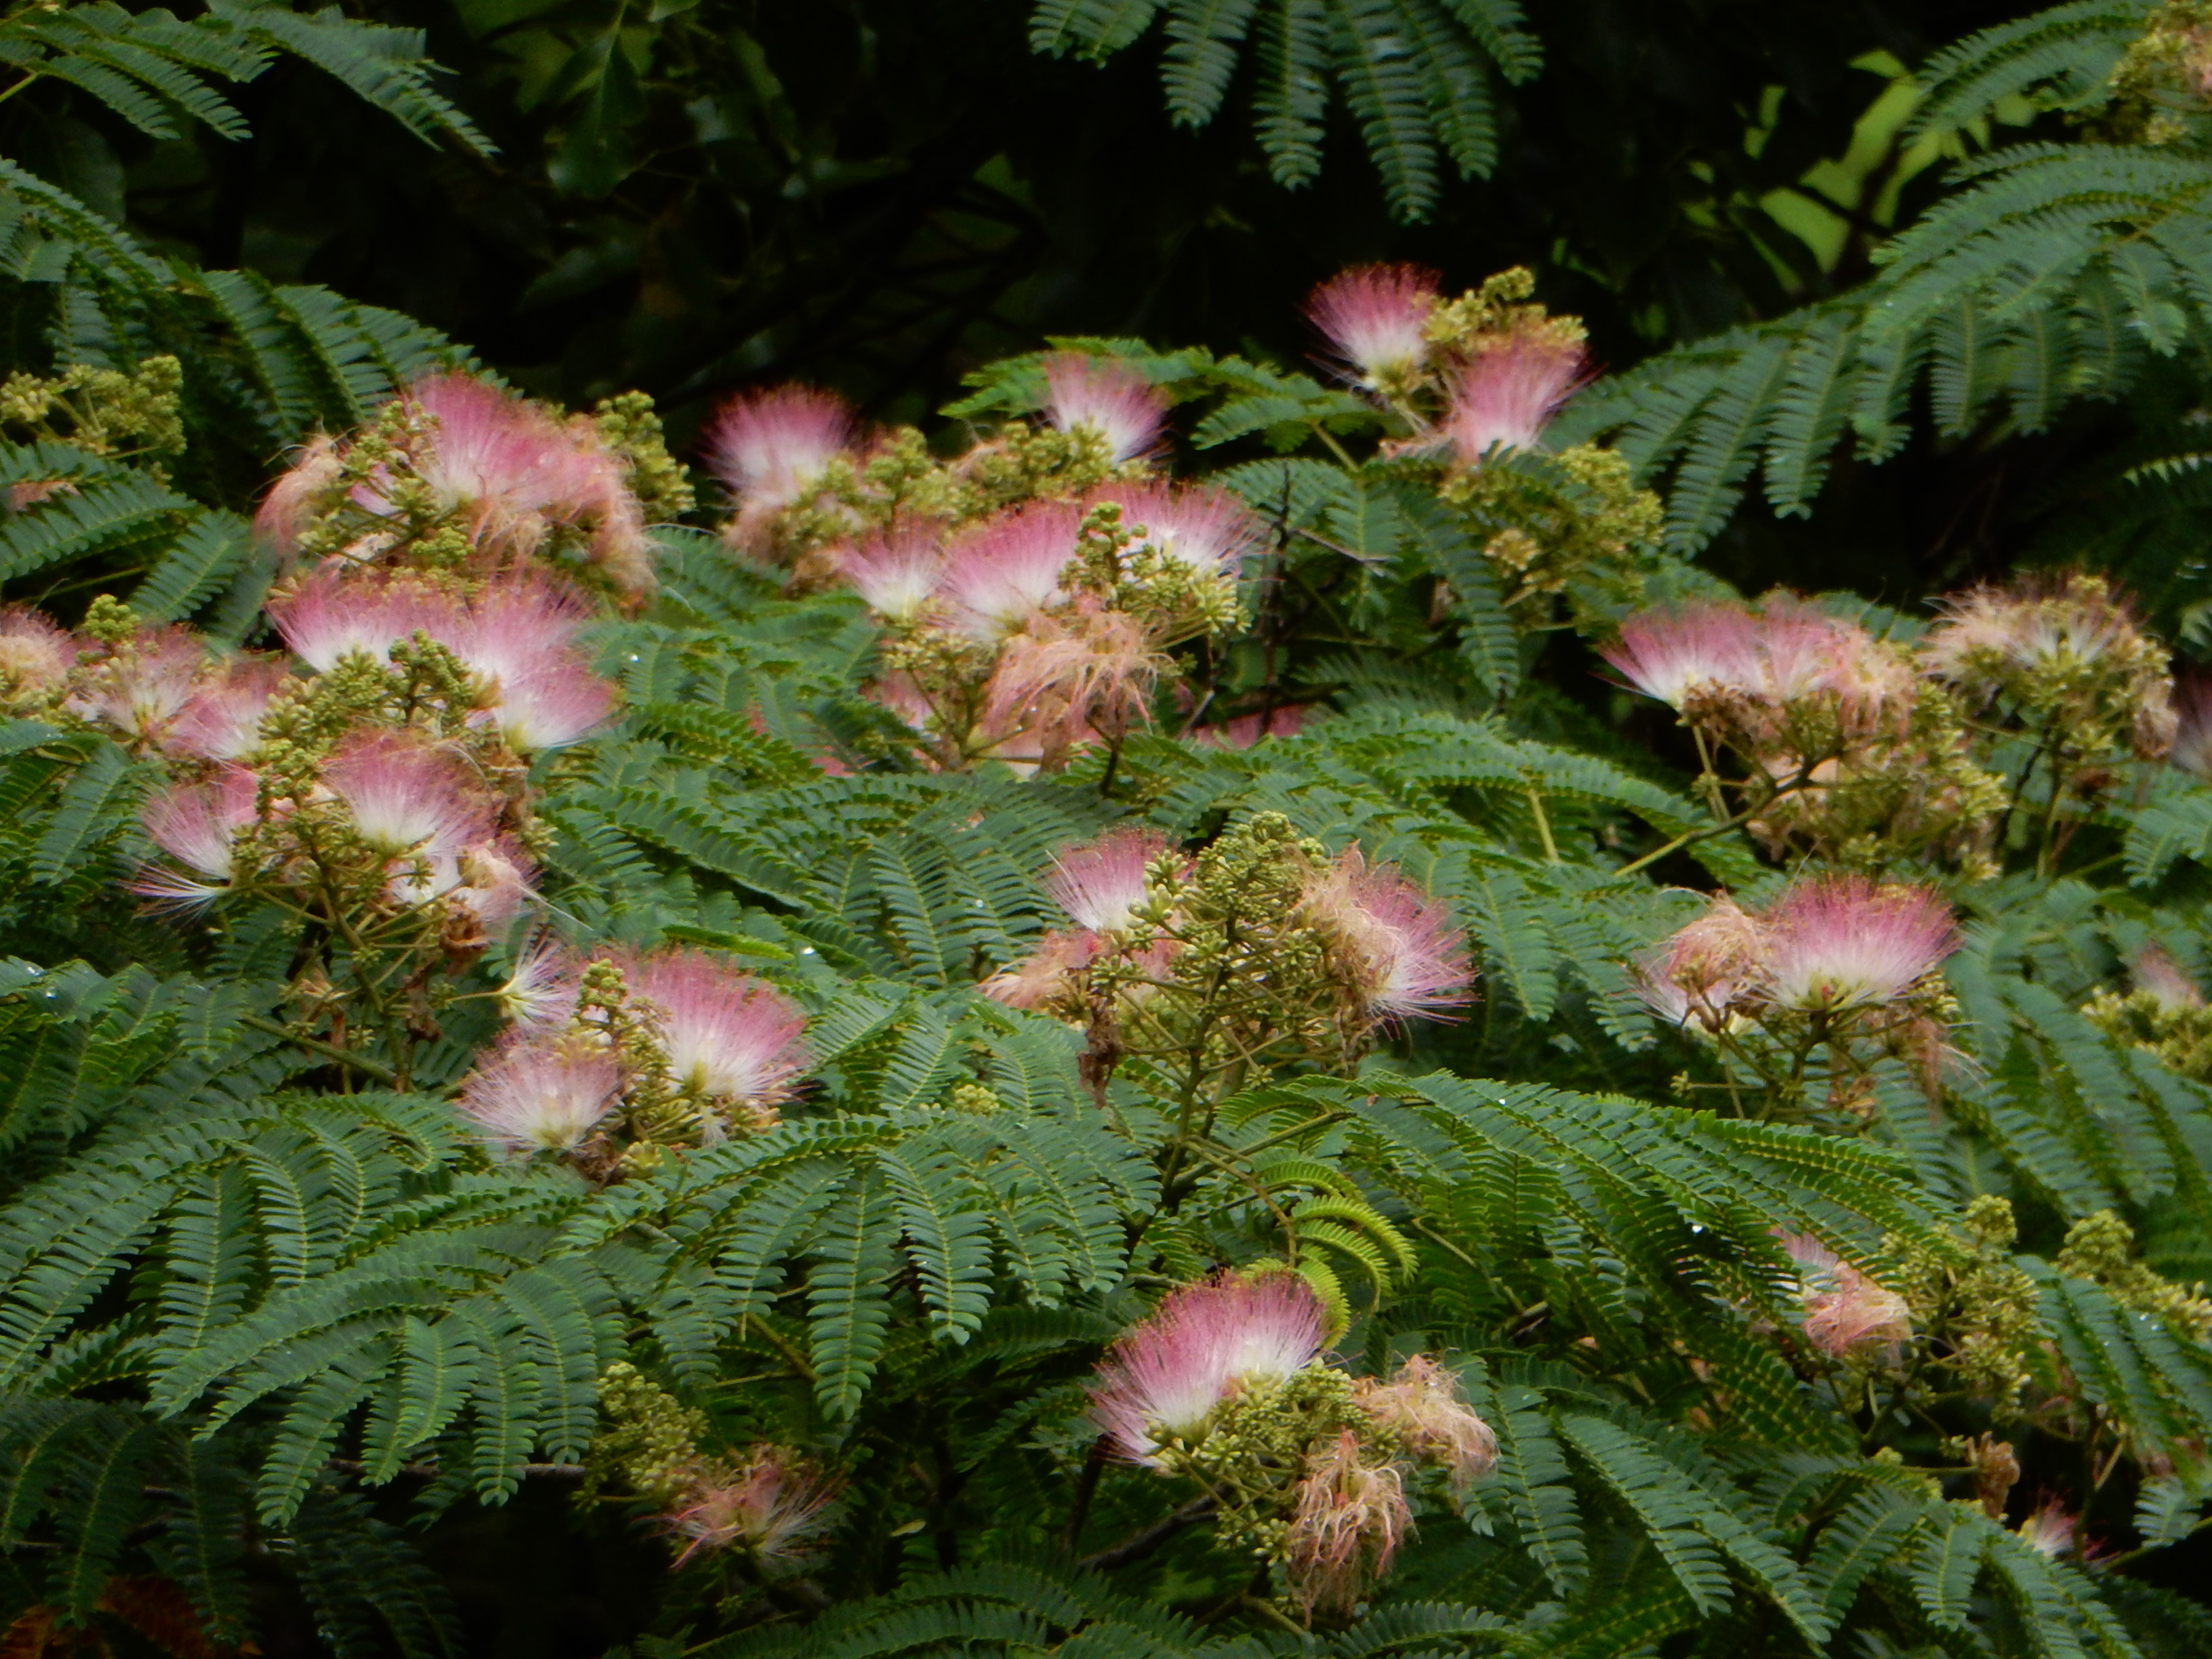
{"points": [[2162, 82], [1031, 590], [103, 411], [2165, 1014], [1980, 1310], [1309, 1467], [1260, 949], [2100, 1247]]}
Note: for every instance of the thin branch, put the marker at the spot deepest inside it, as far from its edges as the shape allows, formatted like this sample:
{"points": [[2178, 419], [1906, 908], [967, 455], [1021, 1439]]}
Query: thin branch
{"points": [[1139, 1545], [361, 1063], [1086, 1486]]}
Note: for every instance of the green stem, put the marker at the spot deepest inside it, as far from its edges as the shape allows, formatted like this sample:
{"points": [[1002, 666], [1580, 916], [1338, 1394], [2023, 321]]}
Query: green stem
{"points": [[1335, 447], [1323, 1122], [1691, 837], [1543, 824], [361, 1063]]}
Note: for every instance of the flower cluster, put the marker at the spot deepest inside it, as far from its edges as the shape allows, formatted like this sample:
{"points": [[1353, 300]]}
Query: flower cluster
{"points": [[1262, 947], [1474, 379], [371, 779], [456, 474], [810, 480], [1031, 590], [2065, 658], [1853, 749], [768, 1506], [1836, 963], [1844, 746], [2165, 1014], [614, 1059], [1309, 1467]]}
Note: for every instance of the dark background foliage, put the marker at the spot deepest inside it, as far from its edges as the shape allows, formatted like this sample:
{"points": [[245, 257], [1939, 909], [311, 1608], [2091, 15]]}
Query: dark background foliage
{"points": [[880, 195]]}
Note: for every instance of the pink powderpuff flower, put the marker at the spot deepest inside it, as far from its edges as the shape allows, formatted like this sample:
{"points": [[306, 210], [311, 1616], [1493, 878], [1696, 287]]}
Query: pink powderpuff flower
{"points": [[2156, 972], [144, 684], [1841, 942], [771, 448], [491, 880], [1246, 730], [406, 796], [1708, 968], [1798, 651], [1505, 394], [1208, 530], [1111, 398], [286, 509], [541, 993], [1405, 957], [334, 614], [560, 703], [772, 1508], [518, 640], [1350, 1517], [223, 721], [2191, 748], [1423, 1407], [515, 626], [1101, 886], [507, 464], [1066, 681], [1047, 973], [1673, 654], [35, 656], [727, 1036], [896, 572], [1161, 1381], [541, 1096], [1000, 574], [197, 825], [2050, 1532], [1376, 316], [1875, 684], [1846, 1313]]}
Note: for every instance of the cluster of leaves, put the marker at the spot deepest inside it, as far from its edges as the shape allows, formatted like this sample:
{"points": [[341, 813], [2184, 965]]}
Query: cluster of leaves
{"points": [[274, 1352]]}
